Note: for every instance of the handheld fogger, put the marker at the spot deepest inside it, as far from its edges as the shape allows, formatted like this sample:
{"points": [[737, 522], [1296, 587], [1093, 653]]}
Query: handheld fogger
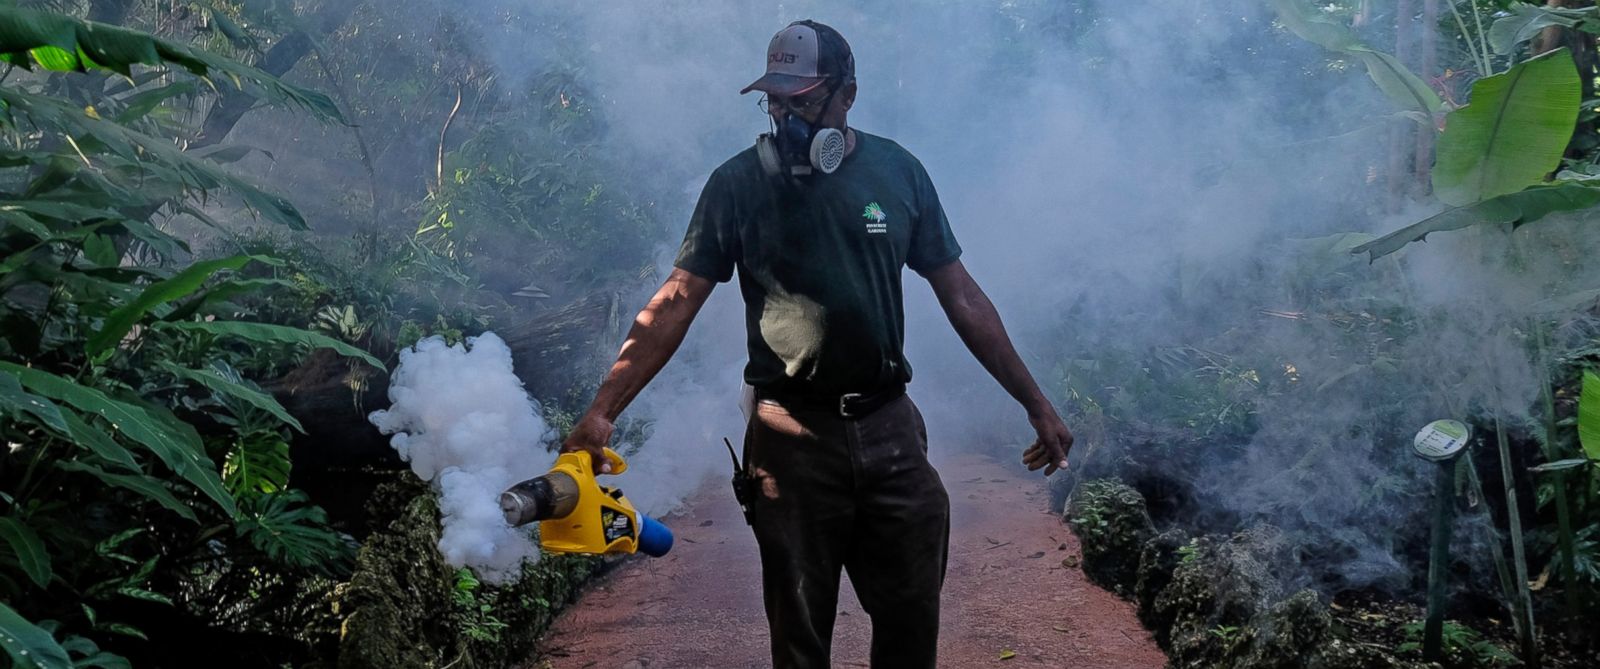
{"points": [[578, 515]]}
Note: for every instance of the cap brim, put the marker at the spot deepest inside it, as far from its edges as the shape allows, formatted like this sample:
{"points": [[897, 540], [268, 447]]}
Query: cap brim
{"points": [[783, 84]]}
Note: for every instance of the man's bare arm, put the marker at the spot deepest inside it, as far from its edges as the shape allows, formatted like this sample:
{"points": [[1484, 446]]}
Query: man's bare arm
{"points": [[656, 333], [976, 321]]}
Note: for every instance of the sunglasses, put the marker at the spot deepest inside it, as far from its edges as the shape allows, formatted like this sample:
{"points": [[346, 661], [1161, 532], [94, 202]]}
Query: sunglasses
{"points": [[801, 107]]}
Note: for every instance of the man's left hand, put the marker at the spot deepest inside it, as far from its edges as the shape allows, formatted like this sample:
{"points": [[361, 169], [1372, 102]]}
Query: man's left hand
{"points": [[1055, 440]]}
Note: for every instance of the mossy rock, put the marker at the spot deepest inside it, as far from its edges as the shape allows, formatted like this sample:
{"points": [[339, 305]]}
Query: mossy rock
{"points": [[1217, 591], [405, 607], [1112, 526], [1158, 559], [397, 609]]}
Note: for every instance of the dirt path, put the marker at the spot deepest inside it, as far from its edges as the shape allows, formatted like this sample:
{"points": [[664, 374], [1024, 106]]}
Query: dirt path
{"points": [[700, 606]]}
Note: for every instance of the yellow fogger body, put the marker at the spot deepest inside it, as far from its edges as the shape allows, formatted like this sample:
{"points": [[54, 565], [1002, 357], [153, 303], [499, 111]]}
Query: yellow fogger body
{"points": [[578, 515]]}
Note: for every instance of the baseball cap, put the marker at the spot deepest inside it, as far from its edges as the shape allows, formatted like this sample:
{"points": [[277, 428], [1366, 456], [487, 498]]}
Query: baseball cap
{"points": [[801, 57]]}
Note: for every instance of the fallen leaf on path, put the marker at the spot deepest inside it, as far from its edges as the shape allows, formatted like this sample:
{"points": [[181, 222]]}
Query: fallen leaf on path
{"points": [[1035, 556], [1059, 628], [991, 540], [1007, 654], [1071, 562]]}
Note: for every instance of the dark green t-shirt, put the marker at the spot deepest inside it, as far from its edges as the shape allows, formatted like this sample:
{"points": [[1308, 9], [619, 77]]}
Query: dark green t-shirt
{"points": [[819, 265]]}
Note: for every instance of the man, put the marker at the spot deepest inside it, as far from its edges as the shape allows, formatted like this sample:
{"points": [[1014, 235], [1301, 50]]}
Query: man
{"points": [[818, 221]]}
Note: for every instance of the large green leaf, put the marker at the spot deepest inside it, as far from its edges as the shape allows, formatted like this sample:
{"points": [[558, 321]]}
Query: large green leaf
{"points": [[274, 334], [28, 644], [1589, 415], [181, 450], [291, 531], [28, 548], [258, 462], [219, 382], [14, 398], [1517, 208], [148, 486], [1512, 134], [1522, 22], [61, 42], [98, 442], [161, 292], [1402, 86], [141, 154]]}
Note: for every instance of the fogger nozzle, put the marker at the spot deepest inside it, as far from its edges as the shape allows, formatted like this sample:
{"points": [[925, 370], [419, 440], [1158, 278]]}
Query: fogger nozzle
{"points": [[554, 495], [578, 515]]}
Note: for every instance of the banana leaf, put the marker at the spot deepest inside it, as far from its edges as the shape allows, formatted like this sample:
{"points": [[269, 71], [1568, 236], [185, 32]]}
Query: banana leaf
{"points": [[1518, 209], [1589, 415], [1402, 86], [1513, 133], [1523, 21]]}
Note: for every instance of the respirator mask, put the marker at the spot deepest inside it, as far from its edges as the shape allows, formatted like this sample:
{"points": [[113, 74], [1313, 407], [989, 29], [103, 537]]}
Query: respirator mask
{"points": [[797, 148]]}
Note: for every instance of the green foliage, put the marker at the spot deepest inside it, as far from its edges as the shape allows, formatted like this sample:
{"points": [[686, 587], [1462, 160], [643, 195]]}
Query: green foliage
{"points": [[1403, 87], [1524, 21], [28, 644], [477, 617], [63, 43], [120, 377], [288, 529], [540, 181], [1462, 646], [1512, 134]]}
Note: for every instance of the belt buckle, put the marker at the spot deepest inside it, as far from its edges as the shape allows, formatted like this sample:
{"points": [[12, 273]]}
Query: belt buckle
{"points": [[844, 399]]}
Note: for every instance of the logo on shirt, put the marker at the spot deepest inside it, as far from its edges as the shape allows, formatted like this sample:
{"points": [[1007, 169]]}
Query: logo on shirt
{"points": [[874, 214]]}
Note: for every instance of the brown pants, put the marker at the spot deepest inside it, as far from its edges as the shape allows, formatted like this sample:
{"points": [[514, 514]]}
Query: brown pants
{"points": [[857, 494]]}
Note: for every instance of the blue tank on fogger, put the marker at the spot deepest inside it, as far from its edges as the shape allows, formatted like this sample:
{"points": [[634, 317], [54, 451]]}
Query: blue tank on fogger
{"points": [[578, 515]]}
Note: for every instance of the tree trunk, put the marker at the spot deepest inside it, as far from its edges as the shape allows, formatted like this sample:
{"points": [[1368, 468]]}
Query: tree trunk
{"points": [[1428, 62], [1401, 148]]}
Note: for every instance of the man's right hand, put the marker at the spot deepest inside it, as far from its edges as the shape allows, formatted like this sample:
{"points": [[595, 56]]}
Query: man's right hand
{"points": [[592, 434]]}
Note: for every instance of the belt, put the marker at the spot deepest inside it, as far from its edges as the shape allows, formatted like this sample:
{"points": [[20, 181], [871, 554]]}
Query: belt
{"points": [[848, 405]]}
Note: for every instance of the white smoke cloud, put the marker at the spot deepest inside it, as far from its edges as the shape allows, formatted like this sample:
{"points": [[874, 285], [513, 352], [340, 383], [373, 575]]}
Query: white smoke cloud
{"points": [[460, 416]]}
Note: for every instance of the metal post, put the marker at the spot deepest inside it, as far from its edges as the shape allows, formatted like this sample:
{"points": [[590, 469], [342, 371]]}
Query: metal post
{"points": [[1440, 442], [1439, 562]]}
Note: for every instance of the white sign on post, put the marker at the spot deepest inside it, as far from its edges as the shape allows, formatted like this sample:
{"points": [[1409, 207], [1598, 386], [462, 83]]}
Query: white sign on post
{"points": [[1441, 440]]}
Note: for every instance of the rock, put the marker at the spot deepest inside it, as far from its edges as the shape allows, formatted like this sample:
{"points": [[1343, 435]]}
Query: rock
{"points": [[396, 608], [1217, 590], [1158, 559], [1112, 525], [1288, 635]]}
